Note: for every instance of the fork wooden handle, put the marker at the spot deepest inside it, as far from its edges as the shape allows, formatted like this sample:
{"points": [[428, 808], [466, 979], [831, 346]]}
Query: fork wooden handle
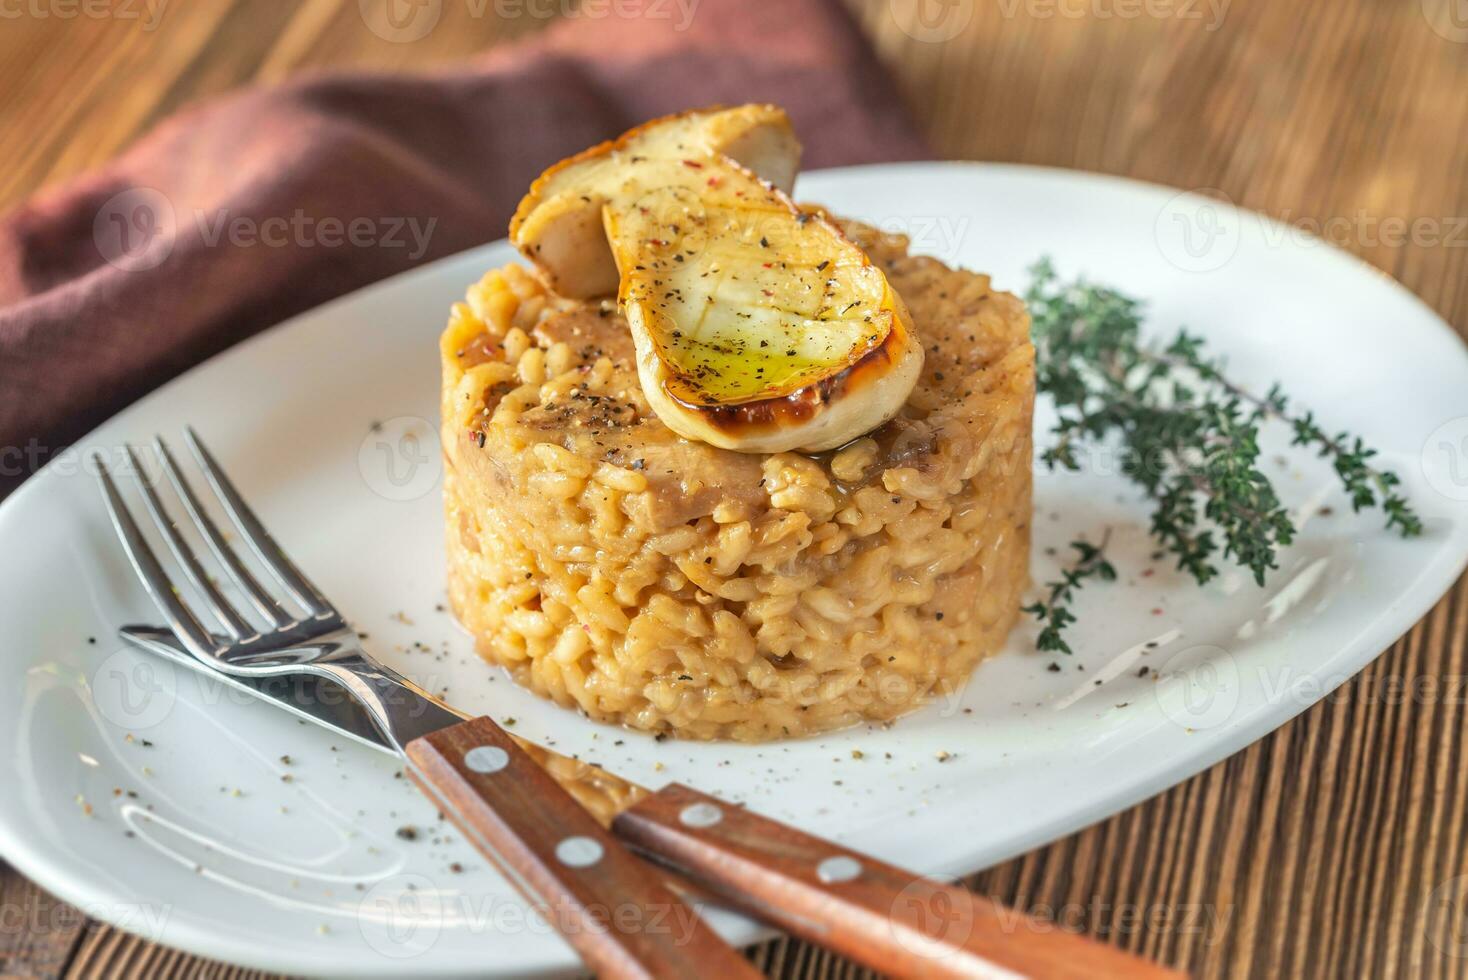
{"points": [[884, 917], [610, 905]]}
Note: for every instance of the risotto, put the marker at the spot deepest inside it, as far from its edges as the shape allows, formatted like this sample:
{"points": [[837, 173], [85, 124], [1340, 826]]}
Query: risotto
{"points": [[667, 585]]}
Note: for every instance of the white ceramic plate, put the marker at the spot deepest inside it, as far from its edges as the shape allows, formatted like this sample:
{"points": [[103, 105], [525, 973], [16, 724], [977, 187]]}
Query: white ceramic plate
{"points": [[194, 839]]}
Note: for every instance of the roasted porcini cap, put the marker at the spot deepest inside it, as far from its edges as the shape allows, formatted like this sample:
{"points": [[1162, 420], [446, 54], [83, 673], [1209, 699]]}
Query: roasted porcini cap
{"points": [[759, 327], [558, 225]]}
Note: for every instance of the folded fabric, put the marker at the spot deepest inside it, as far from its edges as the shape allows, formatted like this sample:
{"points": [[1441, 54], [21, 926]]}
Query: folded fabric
{"points": [[235, 215]]}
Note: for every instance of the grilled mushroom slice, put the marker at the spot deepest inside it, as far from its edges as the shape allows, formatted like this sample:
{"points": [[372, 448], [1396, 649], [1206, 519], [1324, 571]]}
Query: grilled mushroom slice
{"points": [[558, 225], [759, 326]]}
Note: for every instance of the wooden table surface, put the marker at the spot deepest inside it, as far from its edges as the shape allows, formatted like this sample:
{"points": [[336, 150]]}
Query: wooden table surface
{"points": [[1335, 846]]}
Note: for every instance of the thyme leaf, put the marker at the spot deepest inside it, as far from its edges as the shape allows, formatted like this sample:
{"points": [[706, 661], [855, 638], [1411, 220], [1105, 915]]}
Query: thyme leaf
{"points": [[1188, 437], [1054, 610]]}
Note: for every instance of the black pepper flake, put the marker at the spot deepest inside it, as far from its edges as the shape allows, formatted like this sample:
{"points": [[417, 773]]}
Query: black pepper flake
{"points": [[408, 832], [1054, 668]]}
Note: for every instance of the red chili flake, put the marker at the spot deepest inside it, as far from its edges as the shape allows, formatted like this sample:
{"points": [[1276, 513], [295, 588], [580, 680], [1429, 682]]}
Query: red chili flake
{"points": [[656, 241], [693, 163], [767, 292], [1157, 612], [769, 265], [713, 182], [1147, 573]]}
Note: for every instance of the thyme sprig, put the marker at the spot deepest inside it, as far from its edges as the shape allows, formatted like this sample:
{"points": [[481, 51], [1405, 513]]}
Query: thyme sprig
{"points": [[1187, 436], [1053, 611]]}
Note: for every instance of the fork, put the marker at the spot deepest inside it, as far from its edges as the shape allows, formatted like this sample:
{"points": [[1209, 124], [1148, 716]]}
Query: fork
{"points": [[509, 808]]}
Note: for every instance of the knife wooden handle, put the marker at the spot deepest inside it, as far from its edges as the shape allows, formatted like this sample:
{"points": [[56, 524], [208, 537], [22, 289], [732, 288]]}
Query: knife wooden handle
{"points": [[886, 918], [610, 905]]}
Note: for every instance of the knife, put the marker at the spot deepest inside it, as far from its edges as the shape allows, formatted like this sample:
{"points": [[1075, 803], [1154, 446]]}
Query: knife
{"points": [[880, 915]]}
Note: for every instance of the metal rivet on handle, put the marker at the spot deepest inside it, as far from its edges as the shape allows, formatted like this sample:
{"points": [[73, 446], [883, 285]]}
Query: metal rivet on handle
{"points": [[700, 815], [486, 758], [578, 852], [838, 869]]}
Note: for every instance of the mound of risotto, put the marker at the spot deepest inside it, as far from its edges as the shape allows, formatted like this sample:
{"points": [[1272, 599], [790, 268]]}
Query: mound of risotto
{"points": [[659, 582]]}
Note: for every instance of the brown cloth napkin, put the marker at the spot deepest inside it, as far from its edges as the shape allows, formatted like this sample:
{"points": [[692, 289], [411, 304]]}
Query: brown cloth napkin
{"points": [[235, 215]]}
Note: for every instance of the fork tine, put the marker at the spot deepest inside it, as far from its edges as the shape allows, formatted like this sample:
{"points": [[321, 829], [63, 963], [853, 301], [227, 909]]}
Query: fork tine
{"points": [[255, 533], [261, 599], [182, 621], [234, 624]]}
